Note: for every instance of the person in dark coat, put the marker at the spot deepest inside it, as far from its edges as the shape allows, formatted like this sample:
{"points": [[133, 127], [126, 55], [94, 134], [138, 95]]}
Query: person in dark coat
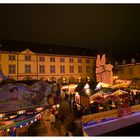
{"points": [[86, 111]]}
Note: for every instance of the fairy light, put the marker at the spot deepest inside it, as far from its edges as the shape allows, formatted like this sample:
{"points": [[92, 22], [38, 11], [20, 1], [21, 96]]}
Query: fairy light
{"points": [[21, 126], [26, 124], [8, 130], [31, 121]]}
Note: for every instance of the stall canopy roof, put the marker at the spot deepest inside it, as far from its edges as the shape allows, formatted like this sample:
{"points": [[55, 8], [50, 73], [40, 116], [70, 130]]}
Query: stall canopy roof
{"points": [[80, 87]]}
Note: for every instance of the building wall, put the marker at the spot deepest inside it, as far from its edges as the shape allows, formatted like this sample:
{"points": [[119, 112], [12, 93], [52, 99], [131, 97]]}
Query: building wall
{"points": [[127, 71], [35, 63]]}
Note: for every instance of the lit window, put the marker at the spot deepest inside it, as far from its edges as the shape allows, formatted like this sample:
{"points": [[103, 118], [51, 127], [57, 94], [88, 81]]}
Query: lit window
{"points": [[52, 59], [87, 60], [12, 57], [88, 69], [27, 68], [79, 69], [52, 69], [62, 69], [42, 58], [27, 58], [62, 59], [71, 60], [71, 69], [79, 60], [42, 68], [12, 69]]}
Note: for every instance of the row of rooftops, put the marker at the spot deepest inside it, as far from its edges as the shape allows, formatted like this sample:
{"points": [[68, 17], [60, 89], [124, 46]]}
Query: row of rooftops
{"points": [[12, 46], [19, 46]]}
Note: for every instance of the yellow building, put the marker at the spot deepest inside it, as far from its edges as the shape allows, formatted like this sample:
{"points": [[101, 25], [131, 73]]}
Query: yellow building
{"points": [[28, 64], [127, 71]]}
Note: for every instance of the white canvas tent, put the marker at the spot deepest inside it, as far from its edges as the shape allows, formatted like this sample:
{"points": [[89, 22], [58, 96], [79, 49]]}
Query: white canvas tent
{"points": [[118, 92]]}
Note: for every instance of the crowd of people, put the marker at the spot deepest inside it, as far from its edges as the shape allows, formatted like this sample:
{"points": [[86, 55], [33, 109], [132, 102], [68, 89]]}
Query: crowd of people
{"points": [[128, 99]]}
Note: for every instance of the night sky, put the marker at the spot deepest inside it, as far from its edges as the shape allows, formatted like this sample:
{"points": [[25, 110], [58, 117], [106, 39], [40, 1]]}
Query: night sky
{"points": [[112, 27]]}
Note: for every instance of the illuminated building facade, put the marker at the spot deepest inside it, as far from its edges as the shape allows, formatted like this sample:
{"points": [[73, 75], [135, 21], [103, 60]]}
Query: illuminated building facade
{"points": [[27, 64], [127, 71]]}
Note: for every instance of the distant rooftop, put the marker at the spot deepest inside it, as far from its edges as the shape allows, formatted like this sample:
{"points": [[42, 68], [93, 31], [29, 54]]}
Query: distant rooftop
{"points": [[18, 46]]}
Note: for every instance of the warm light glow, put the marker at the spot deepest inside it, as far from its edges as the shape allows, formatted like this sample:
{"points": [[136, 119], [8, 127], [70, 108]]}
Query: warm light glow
{"points": [[88, 91], [115, 77], [21, 126], [39, 109], [98, 86], [11, 117], [76, 94], [2, 115], [86, 86], [80, 79], [88, 79], [31, 121], [26, 123], [57, 105], [8, 129], [21, 112]]}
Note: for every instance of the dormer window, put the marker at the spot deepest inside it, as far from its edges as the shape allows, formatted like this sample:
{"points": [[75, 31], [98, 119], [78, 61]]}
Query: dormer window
{"points": [[116, 63], [124, 62], [133, 61]]}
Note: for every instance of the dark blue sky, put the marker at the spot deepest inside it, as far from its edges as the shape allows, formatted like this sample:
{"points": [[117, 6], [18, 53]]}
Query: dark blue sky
{"points": [[113, 27]]}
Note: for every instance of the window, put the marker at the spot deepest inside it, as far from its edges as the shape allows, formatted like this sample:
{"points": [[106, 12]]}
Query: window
{"points": [[87, 60], [124, 62], [62, 69], [79, 69], [42, 68], [71, 69], [116, 63], [42, 58], [12, 69], [12, 57], [27, 68], [71, 60], [52, 69], [62, 59], [52, 59], [27, 58], [88, 69], [133, 61], [79, 60], [130, 70]]}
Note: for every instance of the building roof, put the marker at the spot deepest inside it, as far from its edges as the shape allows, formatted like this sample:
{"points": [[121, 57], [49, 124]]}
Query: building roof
{"points": [[18, 46]]}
